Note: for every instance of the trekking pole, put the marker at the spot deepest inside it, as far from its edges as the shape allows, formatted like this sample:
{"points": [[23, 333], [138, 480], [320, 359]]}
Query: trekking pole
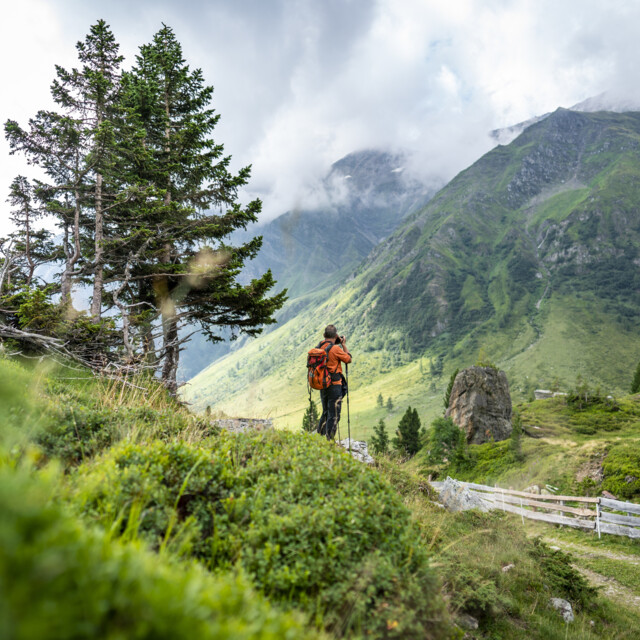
{"points": [[348, 416]]}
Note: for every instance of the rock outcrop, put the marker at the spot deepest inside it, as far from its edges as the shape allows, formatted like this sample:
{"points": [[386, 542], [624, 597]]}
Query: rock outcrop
{"points": [[480, 404], [242, 425], [359, 450], [456, 497]]}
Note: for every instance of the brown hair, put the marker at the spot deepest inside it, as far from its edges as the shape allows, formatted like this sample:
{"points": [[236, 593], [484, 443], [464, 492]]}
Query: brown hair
{"points": [[330, 332]]}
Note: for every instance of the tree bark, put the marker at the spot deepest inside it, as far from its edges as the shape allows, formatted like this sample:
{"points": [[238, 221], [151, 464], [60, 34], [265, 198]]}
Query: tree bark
{"points": [[171, 348], [27, 247], [71, 258], [98, 270]]}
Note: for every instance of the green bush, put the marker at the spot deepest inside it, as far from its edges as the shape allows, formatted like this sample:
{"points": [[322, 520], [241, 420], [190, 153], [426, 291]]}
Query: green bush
{"points": [[59, 581], [310, 525], [445, 439], [560, 576], [622, 471]]}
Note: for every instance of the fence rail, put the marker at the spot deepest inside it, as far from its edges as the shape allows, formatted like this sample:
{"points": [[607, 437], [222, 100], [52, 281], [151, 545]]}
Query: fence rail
{"points": [[602, 515]]}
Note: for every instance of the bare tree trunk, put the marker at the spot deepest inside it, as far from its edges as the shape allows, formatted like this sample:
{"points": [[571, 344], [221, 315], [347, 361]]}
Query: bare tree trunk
{"points": [[71, 258], [171, 356], [98, 269], [27, 247], [5, 270], [171, 348]]}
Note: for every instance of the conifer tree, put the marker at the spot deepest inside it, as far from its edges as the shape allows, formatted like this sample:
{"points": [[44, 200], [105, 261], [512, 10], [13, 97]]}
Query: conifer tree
{"points": [[310, 418], [84, 149], [380, 439], [407, 440], [445, 440], [447, 394], [91, 94], [635, 384], [380, 400], [31, 244], [54, 142], [389, 404], [192, 271]]}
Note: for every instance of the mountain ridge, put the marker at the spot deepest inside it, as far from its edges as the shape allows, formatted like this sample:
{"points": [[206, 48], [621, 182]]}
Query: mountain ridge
{"points": [[528, 253], [360, 201]]}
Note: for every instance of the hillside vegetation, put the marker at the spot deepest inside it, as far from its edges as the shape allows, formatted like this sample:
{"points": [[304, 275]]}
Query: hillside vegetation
{"points": [[580, 450], [165, 527], [530, 255]]}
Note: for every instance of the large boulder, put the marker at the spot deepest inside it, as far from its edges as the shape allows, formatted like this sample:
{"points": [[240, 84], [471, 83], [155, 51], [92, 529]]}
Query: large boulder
{"points": [[480, 404], [456, 497]]}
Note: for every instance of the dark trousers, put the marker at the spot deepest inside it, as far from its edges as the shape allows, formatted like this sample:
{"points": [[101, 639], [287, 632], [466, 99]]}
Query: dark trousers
{"points": [[331, 405]]}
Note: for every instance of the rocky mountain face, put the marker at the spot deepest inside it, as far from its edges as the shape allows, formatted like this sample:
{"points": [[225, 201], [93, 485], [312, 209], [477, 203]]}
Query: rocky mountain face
{"points": [[556, 210], [480, 404], [361, 200]]}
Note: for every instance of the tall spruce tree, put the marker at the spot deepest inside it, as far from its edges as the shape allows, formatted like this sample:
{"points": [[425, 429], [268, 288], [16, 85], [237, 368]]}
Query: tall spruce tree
{"points": [[32, 245], [408, 436], [92, 93], [310, 418], [80, 147], [192, 271], [635, 384], [54, 142], [380, 439]]}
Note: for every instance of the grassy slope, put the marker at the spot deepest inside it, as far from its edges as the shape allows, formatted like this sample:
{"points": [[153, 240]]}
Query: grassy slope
{"points": [[561, 446], [467, 550], [568, 448], [489, 264], [236, 385]]}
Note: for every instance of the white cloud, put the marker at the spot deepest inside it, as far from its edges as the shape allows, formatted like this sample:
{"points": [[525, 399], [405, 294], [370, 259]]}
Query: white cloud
{"points": [[300, 83]]}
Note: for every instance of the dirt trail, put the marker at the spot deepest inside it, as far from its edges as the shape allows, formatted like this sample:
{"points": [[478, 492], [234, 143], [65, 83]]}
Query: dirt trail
{"points": [[584, 551], [608, 585]]}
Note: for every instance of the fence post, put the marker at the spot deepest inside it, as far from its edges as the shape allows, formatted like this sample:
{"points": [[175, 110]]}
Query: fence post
{"points": [[598, 517], [522, 512]]}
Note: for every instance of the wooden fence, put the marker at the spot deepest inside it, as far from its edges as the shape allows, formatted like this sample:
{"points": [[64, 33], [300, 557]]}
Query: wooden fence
{"points": [[597, 514]]}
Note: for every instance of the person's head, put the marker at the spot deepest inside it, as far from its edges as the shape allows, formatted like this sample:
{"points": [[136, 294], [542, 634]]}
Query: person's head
{"points": [[330, 332]]}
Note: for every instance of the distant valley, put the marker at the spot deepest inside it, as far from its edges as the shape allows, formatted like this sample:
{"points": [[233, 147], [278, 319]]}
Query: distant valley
{"points": [[530, 256]]}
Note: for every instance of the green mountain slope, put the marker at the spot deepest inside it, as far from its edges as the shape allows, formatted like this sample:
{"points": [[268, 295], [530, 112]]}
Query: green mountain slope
{"points": [[361, 201], [531, 254]]}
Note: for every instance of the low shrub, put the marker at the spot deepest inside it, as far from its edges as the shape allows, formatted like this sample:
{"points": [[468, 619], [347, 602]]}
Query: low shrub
{"points": [[60, 581], [622, 471], [310, 526], [559, 575], [446, 441]]}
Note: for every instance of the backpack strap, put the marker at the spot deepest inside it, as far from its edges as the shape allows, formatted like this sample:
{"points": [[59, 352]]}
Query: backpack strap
{"points": [[327, 348], [334, 376]]}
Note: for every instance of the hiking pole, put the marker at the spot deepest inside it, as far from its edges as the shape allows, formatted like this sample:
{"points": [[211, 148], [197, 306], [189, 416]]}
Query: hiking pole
{"points": [[346, 365]]}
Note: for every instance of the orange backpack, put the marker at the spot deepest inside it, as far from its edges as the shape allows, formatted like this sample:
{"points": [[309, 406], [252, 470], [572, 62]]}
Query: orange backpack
{"points": [[318, 373]]}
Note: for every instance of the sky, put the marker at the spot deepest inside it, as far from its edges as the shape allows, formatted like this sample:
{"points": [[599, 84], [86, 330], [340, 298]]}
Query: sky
{"points": [[301, 83]]}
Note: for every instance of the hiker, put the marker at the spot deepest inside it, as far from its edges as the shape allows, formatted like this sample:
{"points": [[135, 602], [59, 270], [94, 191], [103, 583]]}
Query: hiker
{"points": [[332, 396]]}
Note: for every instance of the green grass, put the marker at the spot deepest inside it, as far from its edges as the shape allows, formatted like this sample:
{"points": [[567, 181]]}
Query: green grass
{"points": [[269, 479], [470, 549], [625, 573], [561, 446]]}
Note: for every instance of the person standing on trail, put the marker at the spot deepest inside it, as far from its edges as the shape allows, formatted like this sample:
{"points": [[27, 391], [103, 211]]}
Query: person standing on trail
{"points": [[332, 396]]}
